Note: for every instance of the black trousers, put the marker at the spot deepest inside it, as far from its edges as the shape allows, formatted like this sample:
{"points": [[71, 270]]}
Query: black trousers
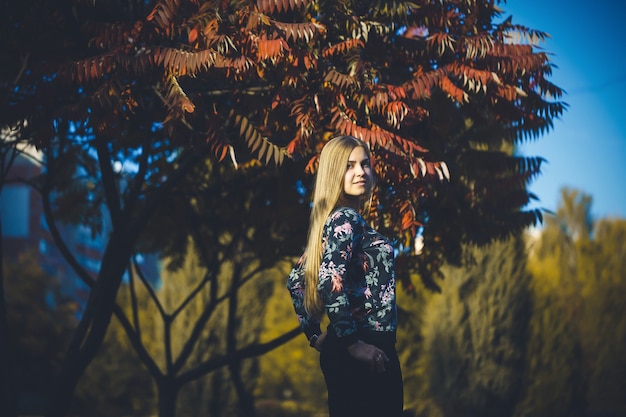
{"points": [[354, 390]]}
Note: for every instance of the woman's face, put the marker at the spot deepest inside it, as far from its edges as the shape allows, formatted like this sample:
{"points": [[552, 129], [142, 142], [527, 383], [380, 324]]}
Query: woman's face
{"points": [[358, 178]]}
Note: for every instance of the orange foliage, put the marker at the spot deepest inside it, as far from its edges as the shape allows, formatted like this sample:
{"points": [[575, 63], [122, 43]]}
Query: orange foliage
{"points": [[272, 79]]}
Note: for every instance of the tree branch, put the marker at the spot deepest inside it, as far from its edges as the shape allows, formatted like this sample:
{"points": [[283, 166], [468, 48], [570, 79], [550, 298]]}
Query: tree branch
{"points": [[250, 351], [111, 193], [135, 340]]}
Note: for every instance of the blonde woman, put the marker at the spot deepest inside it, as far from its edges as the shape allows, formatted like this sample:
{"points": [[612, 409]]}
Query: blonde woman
{"points": [[347, 273]]}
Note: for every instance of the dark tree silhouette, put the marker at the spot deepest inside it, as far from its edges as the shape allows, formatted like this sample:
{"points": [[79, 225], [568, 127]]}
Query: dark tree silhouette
{"points": [[159, 86]]}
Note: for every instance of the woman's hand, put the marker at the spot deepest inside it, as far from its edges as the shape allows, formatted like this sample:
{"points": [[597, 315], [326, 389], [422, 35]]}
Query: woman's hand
{"points": [[320, 342], [371, 354]]}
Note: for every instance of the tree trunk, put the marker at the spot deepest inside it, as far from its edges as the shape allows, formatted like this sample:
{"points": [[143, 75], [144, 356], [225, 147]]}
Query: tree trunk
{"points": [[93, 325], [8, 394], [246, 399], [168, 393]]}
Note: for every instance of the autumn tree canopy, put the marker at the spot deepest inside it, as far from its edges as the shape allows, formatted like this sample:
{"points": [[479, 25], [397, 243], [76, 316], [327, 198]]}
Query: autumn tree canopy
{"points": [[125, 98], [437, 88]]}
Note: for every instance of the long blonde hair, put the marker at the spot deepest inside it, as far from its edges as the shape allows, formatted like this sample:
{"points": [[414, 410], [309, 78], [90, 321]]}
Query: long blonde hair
{"points": [[328, 194]]}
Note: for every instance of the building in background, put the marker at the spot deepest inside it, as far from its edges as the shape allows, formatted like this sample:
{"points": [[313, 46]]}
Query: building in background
{"points": [[20, 207]]}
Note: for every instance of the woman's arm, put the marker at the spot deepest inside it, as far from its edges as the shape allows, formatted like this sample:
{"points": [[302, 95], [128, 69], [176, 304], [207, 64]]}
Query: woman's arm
{"points": [[339, 237], [295, 285]]}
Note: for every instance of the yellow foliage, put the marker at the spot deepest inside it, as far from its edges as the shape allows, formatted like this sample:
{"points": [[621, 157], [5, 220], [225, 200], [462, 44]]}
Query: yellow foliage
{"points": [[290, 372], [576, 351]]}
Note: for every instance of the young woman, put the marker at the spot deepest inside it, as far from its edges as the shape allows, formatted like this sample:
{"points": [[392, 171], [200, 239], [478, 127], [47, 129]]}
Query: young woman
{"points": [[347, 272]]}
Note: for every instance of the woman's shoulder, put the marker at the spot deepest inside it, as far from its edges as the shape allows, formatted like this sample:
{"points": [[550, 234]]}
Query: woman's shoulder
{"points": [[345, 218]]}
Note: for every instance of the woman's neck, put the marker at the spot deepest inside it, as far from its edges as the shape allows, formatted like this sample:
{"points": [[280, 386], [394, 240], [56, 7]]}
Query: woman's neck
{"points": [[350, 201]]}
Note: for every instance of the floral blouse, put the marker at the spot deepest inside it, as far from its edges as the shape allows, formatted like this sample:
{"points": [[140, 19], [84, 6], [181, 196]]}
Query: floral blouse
{"points": [[356, 281]]}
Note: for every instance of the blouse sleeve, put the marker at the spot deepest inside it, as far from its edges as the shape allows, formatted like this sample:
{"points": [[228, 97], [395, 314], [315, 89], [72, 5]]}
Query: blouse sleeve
{"points": [[339, 235], [295, 285]]}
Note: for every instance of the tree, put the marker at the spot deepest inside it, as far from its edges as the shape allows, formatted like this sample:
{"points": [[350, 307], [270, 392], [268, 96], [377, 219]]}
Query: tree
{"points": [[117, 383], [243, 287], [555, 381], [11, 148], [475, 335], [40, 321], [603, 323], [426, 86], [8, 395], [241, 224], [205, 315], [412, 310], [157, 86], [290, 382], [577, 329]]}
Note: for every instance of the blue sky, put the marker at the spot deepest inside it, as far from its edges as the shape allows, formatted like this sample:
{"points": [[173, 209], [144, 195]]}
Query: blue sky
{"points": [[586, 150]]}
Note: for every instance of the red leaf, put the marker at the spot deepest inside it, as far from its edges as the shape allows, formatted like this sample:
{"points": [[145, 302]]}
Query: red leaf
{"points": [[193, 35]]}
